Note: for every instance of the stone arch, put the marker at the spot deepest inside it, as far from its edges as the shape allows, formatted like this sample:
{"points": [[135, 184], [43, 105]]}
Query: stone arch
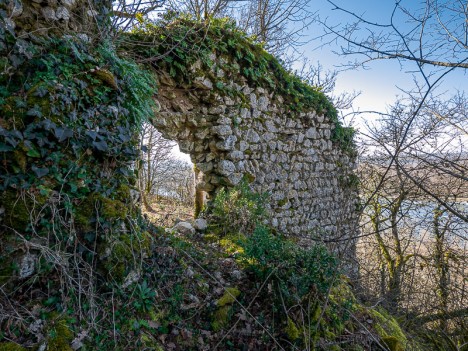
{"points": [[244, 131]]}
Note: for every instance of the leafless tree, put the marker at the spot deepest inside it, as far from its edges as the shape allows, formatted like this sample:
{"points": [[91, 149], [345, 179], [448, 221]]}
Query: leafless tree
{"points": [[414, 231], [202, 9], [278, 24], [156, 162], [432, 37], [161, 173], [435, 35]]}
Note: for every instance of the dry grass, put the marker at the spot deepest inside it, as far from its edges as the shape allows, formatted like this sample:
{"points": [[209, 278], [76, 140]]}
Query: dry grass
{"points": [[168, 211]]}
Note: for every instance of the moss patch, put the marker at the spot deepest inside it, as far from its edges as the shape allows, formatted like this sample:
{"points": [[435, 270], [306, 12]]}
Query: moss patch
{"points": [[229, 297], [291, 330], [60, 336], [221, 318], [11, 346], [388, 329]]}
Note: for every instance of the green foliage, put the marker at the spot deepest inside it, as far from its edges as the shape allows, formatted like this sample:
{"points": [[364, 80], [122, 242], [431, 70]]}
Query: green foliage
{"points": [[177, 43], [139, 85], [298, 271], [238, 210], [345, 138], [144, 297], [69, 121]]}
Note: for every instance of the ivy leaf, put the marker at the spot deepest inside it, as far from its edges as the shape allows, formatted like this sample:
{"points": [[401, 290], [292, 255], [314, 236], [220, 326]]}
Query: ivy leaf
{"points": [[32, 152], [40, 172], [16, 134], [63, 133], [11, 141], [100, 145], [34, 112], [73, 187], [49, 125], [5, 148], [16, 60], [41, 91], [92, 134]]}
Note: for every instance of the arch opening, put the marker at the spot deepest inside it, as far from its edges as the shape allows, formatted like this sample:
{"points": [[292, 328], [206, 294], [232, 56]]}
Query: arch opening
{"points": [[249, 132], [166, 179]]}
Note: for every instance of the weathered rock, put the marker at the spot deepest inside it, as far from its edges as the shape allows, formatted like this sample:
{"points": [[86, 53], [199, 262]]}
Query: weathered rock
{"points": [[62, 13], [131, 278], [27, 265], [286, 153], [227, 144], [49, 13], [203, 83], [184, 228], [226, 167], [200, 224], [222, 130]]}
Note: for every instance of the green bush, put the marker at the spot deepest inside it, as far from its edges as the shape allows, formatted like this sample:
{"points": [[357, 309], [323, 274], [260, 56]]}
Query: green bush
{"points": [[238, 210], [303, 284], [297, 271]]}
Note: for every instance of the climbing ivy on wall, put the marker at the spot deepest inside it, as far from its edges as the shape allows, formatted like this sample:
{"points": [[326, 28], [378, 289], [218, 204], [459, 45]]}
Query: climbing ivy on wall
{"points": [[70, 111], [175, 44]]}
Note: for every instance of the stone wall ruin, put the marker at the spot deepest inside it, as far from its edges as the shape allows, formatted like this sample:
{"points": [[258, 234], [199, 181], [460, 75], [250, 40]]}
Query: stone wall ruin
{"points": [[255, 135]]}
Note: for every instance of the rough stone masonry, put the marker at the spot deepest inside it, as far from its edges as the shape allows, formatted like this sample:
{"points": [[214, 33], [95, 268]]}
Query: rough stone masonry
{"points": [[289, 155], [254, 135]]}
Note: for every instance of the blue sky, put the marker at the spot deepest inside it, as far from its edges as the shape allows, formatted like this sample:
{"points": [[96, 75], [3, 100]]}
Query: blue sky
{"points": [[381, 81]]}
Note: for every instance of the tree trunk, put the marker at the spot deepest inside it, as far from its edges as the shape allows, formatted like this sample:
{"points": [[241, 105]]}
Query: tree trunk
{"points": [[442, 267]]}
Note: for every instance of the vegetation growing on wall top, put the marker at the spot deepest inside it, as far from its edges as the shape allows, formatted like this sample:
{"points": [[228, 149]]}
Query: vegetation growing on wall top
{"points": [[175, 44]]}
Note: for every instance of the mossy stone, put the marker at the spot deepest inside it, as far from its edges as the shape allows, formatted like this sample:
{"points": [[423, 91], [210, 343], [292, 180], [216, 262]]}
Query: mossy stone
{"points": [[113, 209], [388, 328], [19, 208], [60, 336]]}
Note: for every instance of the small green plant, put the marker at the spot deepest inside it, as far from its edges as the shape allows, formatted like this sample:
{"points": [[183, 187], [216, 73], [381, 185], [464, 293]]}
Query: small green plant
{"points": [[144, 297], [303, 269]]}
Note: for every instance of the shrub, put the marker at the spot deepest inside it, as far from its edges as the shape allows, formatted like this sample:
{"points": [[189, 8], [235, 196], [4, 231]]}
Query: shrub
{"points": [[297, 271], [238, 210]]}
